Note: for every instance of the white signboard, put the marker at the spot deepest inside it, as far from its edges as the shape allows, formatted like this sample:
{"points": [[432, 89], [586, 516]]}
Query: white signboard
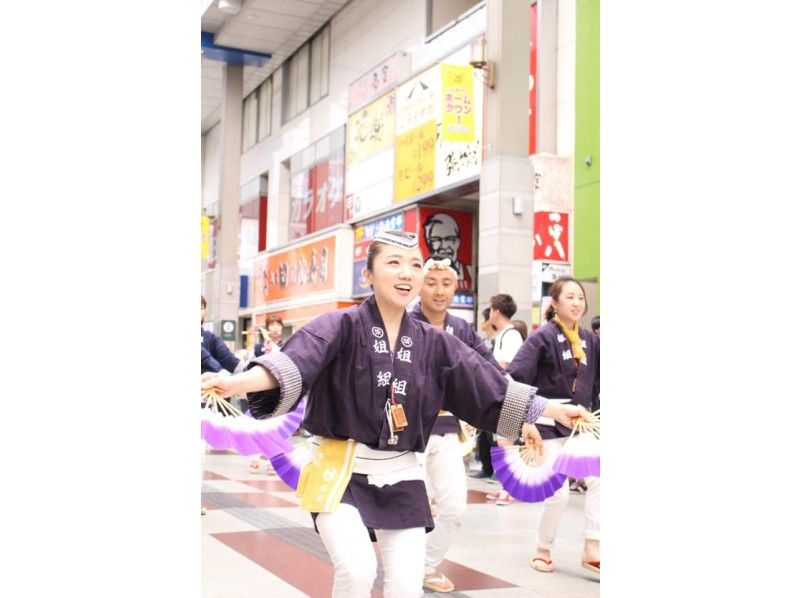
{"points": [[546, 272]]}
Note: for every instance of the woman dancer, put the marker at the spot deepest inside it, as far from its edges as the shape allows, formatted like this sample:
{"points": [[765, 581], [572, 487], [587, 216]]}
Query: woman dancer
{"points": [[376, 381], [562, 361], [445, 478]]}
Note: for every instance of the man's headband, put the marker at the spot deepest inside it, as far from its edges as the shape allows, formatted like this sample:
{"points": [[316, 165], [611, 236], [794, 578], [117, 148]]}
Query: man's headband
{"points": [[403, 242], [444, 264]]}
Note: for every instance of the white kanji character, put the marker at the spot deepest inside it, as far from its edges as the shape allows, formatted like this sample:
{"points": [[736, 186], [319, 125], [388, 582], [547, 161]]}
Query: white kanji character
{"points": [[404, 355], [399, 387], [555, 230], [566, 354], [380, 347], [383, 378]]}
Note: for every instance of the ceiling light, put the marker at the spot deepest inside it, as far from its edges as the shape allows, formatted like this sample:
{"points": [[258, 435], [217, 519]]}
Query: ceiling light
{"points": [[230, 7]]}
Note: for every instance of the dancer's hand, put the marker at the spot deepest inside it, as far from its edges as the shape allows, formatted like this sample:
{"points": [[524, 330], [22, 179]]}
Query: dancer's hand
{"points": [[570, 415], [221, 383], [532, 438]]}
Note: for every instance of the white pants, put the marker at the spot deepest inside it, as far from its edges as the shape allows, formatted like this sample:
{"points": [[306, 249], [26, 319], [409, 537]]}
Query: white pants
{"points": [[554, 506], [354, 562], [446, 484]]}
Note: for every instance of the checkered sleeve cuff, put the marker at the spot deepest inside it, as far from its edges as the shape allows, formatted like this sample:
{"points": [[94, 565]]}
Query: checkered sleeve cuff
{"points": [[288, 376], [516, 408]]}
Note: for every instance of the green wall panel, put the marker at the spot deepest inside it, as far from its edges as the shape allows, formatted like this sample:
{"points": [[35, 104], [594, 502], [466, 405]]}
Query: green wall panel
{"points": [[586, 257]]}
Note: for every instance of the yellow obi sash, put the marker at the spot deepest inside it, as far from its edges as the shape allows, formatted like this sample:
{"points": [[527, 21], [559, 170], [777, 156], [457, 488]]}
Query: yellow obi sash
{"points": [[324, 479]]}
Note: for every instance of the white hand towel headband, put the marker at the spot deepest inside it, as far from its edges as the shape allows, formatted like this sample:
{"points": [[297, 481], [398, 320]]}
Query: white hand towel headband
{"points": [[444, 264], [409, 242]]}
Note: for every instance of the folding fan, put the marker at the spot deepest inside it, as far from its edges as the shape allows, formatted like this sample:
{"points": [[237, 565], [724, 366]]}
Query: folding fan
{"points": [[288, 460], [224, 427], [525, 475], [580, 455]]}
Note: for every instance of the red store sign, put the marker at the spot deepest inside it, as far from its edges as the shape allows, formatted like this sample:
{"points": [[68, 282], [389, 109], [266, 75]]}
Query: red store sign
{"points": [[551, 236]]}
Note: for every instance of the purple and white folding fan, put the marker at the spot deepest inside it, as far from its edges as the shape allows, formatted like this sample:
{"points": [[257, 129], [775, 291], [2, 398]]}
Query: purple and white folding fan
{"points": [[287, 460], [243, 433], [525, 475], [580, 455]]}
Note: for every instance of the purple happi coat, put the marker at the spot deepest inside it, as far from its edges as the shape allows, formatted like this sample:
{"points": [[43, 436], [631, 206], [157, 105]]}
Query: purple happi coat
{"points": [[333, 358], [545, 361], [343, 361], [466, 334]]}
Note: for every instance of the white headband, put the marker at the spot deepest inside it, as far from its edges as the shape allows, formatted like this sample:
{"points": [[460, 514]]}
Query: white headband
{"points": [[444, 264], [412, 242]]}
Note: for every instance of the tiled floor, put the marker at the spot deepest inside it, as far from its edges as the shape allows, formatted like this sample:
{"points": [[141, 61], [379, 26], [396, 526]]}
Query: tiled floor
{"points": [[257, 543]]}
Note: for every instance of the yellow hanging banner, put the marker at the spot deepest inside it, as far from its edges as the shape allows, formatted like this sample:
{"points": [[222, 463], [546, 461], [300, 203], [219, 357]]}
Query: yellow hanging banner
{"points": [[458, 103], [203, 237], [414, 161]]}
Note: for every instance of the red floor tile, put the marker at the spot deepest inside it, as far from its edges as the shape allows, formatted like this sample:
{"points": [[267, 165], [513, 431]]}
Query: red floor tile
{"points": [[476, 497], [295, 566], [466, 579]]}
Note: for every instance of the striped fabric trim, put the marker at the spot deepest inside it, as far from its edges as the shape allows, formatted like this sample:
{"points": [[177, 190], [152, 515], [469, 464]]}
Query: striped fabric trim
{"points": [[397, 241], [288, 376], [538, 405], [514, 409]]}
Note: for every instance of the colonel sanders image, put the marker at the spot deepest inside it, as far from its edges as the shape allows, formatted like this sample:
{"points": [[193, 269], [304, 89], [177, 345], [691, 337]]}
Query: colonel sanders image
{"points": [[443, 238]]}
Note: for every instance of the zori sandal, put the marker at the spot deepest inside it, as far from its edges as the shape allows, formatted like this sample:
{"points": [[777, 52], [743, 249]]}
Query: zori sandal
{"points": [[542, 564], [593, 566], [438, 582]]}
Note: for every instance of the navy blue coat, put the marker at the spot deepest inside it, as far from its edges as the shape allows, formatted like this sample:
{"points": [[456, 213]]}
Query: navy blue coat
{"points": [[215, 355]]}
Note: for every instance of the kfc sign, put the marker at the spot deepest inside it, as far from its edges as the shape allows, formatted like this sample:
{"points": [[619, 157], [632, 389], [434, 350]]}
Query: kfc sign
{"points": [[551, 236], [448, 234]]}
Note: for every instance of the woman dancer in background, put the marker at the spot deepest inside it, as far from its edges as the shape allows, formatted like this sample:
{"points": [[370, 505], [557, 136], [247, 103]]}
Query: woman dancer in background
{"points": [[562, 361]]}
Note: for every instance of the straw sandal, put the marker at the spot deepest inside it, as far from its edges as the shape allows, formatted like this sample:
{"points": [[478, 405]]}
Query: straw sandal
{"points": [[542, 564], [593, 566], [438, 582]]}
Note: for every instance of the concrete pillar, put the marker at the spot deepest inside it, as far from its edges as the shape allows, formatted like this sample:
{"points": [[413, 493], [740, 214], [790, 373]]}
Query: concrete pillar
{"points": [[227, 279], [506, 239], [547, 80]]}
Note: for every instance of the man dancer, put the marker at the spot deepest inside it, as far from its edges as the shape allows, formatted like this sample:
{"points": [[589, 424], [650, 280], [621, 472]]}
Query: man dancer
{"points": [[445, 480]]}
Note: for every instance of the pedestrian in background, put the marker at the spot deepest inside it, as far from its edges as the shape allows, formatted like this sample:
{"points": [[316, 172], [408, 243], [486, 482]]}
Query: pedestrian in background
{"points": [[520, 327], [484, 441], [214, 357], [271, 337], [508, 341], [271, 340], [487, 329]]}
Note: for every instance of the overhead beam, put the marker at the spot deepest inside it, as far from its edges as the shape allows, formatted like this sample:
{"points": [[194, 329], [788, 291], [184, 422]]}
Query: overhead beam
{"points": [[231, 55]]}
